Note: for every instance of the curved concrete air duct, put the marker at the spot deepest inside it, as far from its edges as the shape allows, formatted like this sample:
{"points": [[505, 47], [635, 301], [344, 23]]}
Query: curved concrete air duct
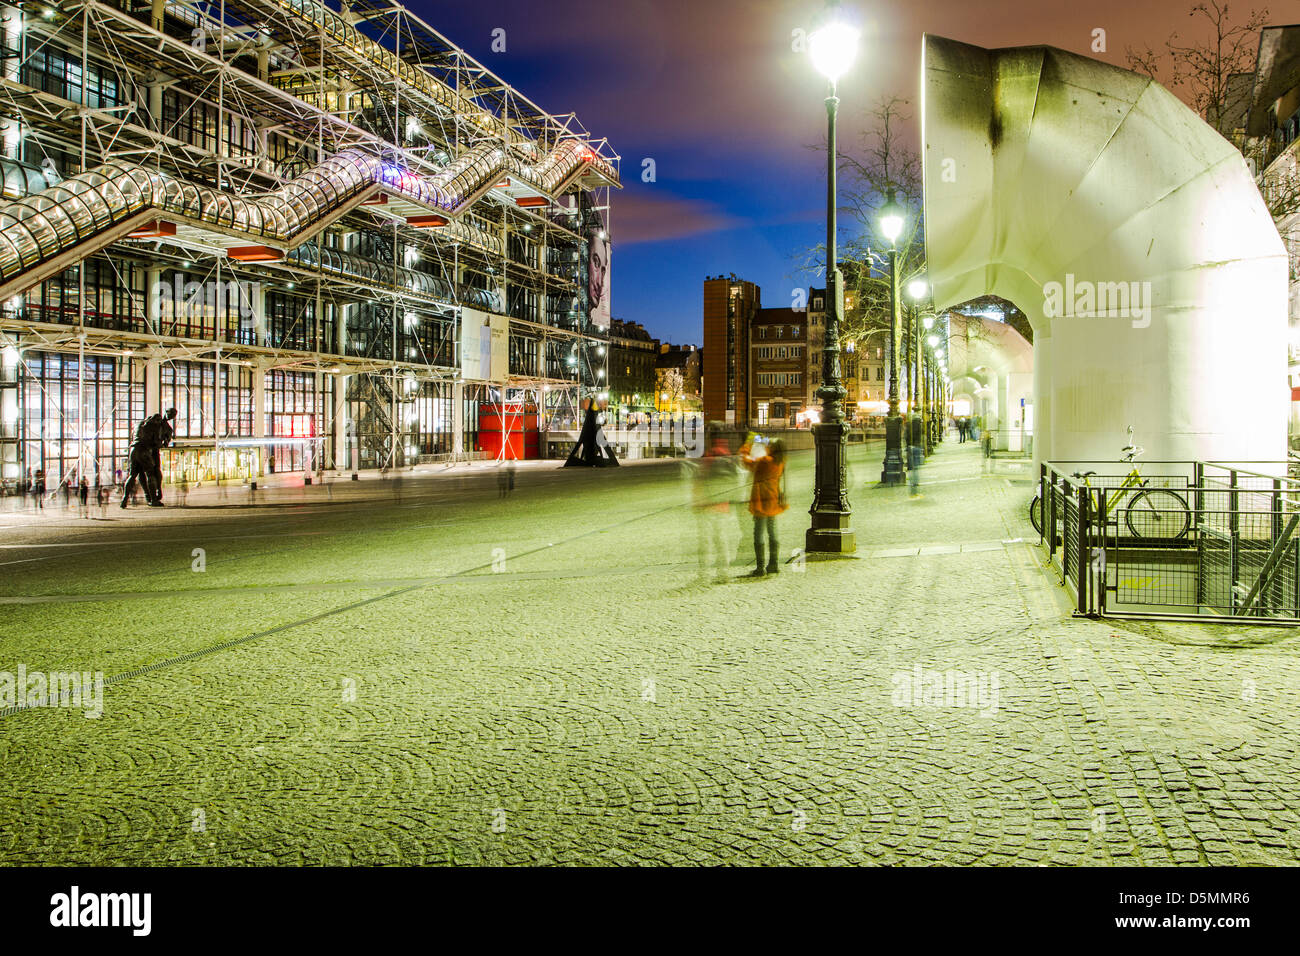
{"points": [[1066, 185], [86, 212]]}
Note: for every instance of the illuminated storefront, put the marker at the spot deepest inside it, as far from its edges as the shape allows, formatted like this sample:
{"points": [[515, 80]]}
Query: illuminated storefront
{"points": [[195, 462]]}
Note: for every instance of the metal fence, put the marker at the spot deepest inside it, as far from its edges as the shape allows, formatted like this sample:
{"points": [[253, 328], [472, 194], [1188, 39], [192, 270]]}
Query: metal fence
{"points": [[1175, 540], [1008, 442]]}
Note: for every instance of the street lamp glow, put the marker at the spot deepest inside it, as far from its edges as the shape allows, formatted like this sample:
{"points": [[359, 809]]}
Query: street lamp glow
{"points": [[928, 322], [933, 340], [892, 218], [917, 289], [833, 47]]}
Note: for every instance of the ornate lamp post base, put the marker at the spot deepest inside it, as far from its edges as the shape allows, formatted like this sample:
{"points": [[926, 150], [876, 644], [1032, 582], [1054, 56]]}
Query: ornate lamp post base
{"points": [[893, 473], [830, 532]]}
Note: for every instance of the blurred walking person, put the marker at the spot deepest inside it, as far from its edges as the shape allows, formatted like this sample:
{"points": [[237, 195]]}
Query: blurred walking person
{"points": [[915, 453], [83, 493], [715, 479], [766, 501], [505, 478], [38, 489]]}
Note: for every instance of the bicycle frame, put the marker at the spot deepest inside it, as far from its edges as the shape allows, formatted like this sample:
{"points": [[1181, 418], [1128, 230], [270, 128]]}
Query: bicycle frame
{"points": [[1132, 481]]}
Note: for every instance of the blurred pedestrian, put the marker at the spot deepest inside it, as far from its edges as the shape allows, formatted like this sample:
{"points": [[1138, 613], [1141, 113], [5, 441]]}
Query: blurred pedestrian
{"points": [[38, 489], [915, 453], [766, 501], [84, 495], [715, 478]]}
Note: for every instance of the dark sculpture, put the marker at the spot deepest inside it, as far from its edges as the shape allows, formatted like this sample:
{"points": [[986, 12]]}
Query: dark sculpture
{"points": [[592, 448], [151, 436]]}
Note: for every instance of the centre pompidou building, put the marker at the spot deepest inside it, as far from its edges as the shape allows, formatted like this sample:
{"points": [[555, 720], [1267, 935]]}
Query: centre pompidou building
{"points": [[327, 237]]}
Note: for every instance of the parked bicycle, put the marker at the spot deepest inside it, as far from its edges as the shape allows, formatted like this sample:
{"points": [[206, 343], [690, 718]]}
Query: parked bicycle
{"points": [[1151, 513]]}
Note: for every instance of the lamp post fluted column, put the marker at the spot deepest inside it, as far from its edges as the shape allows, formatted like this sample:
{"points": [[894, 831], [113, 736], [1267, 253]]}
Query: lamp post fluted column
{"points": [[831, 531], [893, 471], [917, 365]]}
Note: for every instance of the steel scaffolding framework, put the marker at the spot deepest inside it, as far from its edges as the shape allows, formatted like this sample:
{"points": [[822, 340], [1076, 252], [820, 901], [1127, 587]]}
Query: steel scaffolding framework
{"points": [[356, 183]]}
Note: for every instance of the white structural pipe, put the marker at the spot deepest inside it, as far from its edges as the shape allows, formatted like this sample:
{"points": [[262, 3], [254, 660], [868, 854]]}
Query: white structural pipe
{"points": [[1132, 236]]}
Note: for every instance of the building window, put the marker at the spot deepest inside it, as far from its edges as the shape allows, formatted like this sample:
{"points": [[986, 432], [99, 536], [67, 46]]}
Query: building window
{"points": [[762, 413]]}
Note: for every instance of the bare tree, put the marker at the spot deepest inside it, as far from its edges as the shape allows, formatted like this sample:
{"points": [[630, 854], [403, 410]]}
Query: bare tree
{"points": [[673, 384], [885, 164], [1199, 73], [1202, 74]]}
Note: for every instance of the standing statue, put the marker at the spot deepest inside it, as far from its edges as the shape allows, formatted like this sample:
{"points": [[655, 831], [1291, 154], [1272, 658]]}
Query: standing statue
{"points": [[151, 436]]}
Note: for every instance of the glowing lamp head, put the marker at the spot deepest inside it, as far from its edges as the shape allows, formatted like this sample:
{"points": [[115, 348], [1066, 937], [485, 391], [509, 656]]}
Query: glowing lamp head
{"points": [[918, 288], [833, 46], [892, 218]]}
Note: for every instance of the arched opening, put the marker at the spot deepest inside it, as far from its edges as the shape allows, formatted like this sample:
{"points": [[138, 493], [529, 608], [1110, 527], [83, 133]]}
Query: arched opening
{"points": [[991, 368]]}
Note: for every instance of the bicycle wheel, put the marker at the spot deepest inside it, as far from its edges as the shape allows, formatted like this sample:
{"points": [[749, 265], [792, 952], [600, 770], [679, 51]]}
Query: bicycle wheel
{"points": [[1158, 514], [1036, 514]]}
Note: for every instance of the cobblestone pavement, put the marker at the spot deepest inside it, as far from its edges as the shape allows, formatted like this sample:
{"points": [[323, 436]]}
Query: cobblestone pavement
{"points": [[456, 678]]}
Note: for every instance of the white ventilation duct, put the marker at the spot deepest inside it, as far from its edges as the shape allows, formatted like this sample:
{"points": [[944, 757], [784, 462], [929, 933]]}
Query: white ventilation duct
{"points": [[1049, 175]]}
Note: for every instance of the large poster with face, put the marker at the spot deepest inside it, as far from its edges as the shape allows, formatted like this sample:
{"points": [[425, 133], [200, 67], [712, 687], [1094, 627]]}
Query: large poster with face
{"points": [[598, 291]]}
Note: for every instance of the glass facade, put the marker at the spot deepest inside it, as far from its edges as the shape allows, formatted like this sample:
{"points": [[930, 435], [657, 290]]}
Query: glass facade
{"points": [[211, 324], [67, 438]]}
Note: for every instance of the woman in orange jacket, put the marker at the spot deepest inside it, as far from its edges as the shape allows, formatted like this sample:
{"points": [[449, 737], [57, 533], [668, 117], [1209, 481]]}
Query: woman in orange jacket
{"points": [[766, 501]]}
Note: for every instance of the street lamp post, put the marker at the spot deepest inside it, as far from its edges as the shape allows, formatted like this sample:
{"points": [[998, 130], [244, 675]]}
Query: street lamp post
{"points": [[891, 224], [916, 290], [832, 48]]}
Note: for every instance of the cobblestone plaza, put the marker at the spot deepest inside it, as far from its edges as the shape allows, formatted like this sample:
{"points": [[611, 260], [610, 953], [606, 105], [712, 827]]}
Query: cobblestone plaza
{"points": [[424, 672]]}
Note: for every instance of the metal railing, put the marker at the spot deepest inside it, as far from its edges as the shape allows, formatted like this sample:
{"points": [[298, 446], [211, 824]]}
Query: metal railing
{"points": [[1008, 442], [1209, 541]]}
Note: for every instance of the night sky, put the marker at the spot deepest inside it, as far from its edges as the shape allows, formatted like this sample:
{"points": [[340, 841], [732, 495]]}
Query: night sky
{"points": [[712, 92]]}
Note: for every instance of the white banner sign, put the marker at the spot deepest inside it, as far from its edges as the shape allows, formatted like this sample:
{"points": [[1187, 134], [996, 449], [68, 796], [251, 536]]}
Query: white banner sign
{"points": [[484, 346]]}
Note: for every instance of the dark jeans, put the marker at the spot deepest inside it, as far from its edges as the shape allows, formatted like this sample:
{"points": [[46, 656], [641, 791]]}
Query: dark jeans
{"points": [[760, 523]]}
